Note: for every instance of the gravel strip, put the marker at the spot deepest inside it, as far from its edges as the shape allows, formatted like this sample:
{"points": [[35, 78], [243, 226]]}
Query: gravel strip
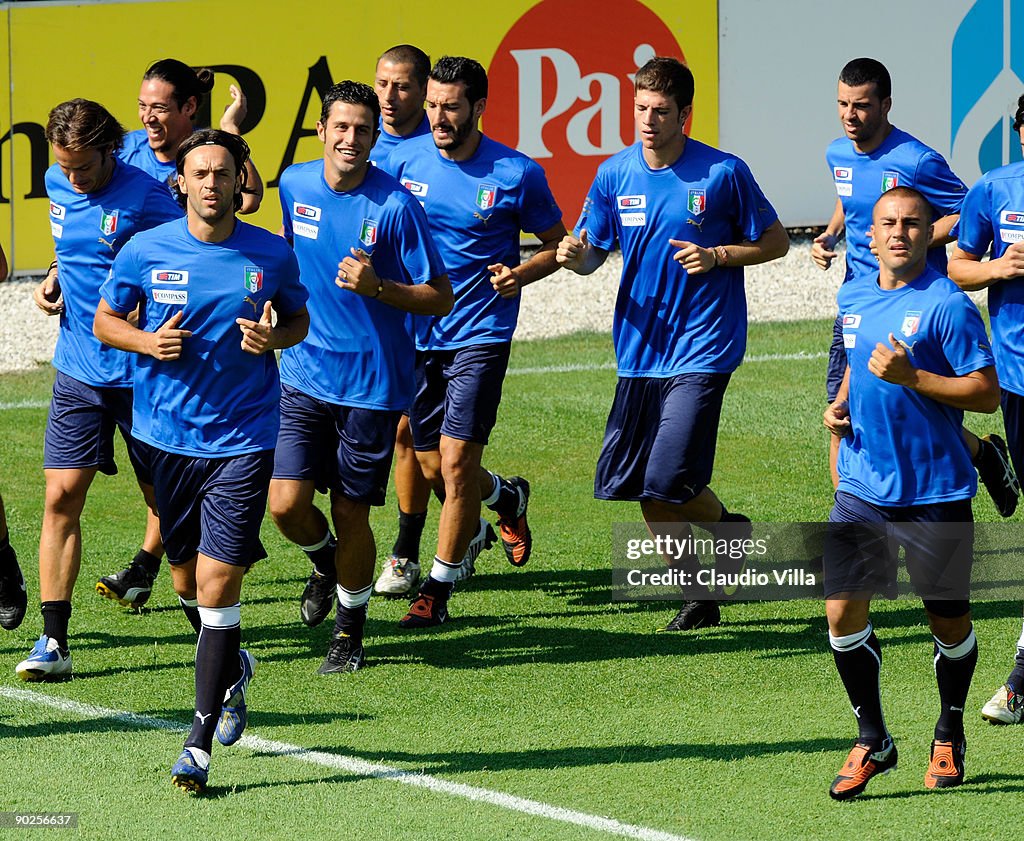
{"points": [[789, 289]]}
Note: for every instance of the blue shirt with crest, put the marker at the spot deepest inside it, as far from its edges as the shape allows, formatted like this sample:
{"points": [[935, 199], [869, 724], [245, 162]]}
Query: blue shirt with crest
{"points": [[993, 217], [907, 449], [477, 209], [358, 352], [668, 322], [216, 400], [89, 230]]}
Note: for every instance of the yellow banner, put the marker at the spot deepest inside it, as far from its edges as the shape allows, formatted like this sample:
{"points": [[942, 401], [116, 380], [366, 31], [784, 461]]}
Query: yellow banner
{"points": [[560, 86]]}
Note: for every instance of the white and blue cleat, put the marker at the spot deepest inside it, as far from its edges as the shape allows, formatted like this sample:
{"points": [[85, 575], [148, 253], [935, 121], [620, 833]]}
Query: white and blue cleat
{"points": [[233, 714], [46, 661], [191, 771]]}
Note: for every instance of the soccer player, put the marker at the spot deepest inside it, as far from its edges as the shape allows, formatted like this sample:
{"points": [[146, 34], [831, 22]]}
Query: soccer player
{"points": [[992, 221], [688, 218], [872, 157], [97, 203], [400, 80], [479, 195], [13, 598], [918, 357], [169, 98], [345, 386], [205, 288]]}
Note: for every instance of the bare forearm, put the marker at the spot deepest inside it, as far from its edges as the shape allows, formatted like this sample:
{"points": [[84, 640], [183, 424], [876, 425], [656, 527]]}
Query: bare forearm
{"points": [[940, 230], [977, 391], [252, 196], [774, 243], [289, 330], [432, 298], [118, 333]]}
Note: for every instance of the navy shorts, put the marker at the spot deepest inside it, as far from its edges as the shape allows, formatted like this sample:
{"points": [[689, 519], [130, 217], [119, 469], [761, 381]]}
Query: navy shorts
{"points": [[863, 541], [660, 439], [212, 505], [837, 361], [339, 448], [457, 394], [1013, 422], [80, 428]]}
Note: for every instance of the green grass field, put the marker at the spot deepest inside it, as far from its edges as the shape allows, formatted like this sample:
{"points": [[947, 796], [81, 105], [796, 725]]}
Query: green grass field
{"points": [[540, 689]]}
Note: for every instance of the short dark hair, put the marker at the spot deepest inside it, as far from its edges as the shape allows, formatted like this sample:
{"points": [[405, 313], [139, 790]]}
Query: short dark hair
{"points": [[867, 71], [184, 80], [453, 70], [81, 124], [1018, 118], [908, 193], [668, 76], [413, 56], [235, 145], [353, 93]]}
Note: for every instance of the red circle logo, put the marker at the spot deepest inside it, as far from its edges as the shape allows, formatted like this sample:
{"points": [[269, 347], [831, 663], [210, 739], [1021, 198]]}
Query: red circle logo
{"points": [[561, 86]]}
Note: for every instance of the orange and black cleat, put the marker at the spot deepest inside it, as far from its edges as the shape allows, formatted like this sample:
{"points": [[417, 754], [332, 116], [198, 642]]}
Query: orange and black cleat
{"points": [[861, 765], [515, 533], [946, 768], [425, 612]]}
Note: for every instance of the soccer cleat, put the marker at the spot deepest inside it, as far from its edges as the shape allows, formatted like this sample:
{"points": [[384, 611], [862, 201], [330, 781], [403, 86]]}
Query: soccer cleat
{"points": [[425, 612], [483, 539], [130, 587], [317, 598], [13, 597], [996, 472], [398, 578], [188, 774], [946, 768], [344, 654], [515, 533], [695, 615], [45, 662], [234, 714], [1005, 707], [861, 765]]}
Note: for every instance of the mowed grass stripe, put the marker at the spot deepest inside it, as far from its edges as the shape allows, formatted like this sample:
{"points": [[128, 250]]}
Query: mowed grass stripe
{"points": [[360, 767], [541, 369]]}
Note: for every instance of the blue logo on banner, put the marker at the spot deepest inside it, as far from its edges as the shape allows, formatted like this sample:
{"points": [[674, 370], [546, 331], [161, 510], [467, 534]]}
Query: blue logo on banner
{"points": [[988, 69]]}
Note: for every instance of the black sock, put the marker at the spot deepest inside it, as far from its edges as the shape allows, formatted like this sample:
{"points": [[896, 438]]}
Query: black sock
{"points": [[8, 557], [350, 621], [147, 561], [507, 504], [859, 661], [954, 668], [56, 616], [1016, 679], [323, 558], [217, 665], [410, 530], [438, 589], [191, 612]]}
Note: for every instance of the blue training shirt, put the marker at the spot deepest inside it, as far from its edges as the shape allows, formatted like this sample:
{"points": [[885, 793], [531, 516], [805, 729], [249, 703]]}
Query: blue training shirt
{"points": [[477, 209], [993, 215], [901, 161], [666, 321], [89, 229], [358, 351], [216, 400], [387, 143], [137, 152], [908, 449]]}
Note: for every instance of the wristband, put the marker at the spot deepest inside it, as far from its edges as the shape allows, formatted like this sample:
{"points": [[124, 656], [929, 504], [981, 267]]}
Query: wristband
{"points": [[380, 288], [722, 255]]}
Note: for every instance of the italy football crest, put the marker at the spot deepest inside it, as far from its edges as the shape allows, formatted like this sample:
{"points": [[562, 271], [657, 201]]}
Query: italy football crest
{"points": [[486, 195], [696, 202], [368, 233], [254, 278], [108, 222]]}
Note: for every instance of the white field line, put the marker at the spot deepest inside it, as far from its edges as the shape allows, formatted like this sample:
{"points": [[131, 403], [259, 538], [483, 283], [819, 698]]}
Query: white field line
{"points": [[361, 768], [544, 369]]}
